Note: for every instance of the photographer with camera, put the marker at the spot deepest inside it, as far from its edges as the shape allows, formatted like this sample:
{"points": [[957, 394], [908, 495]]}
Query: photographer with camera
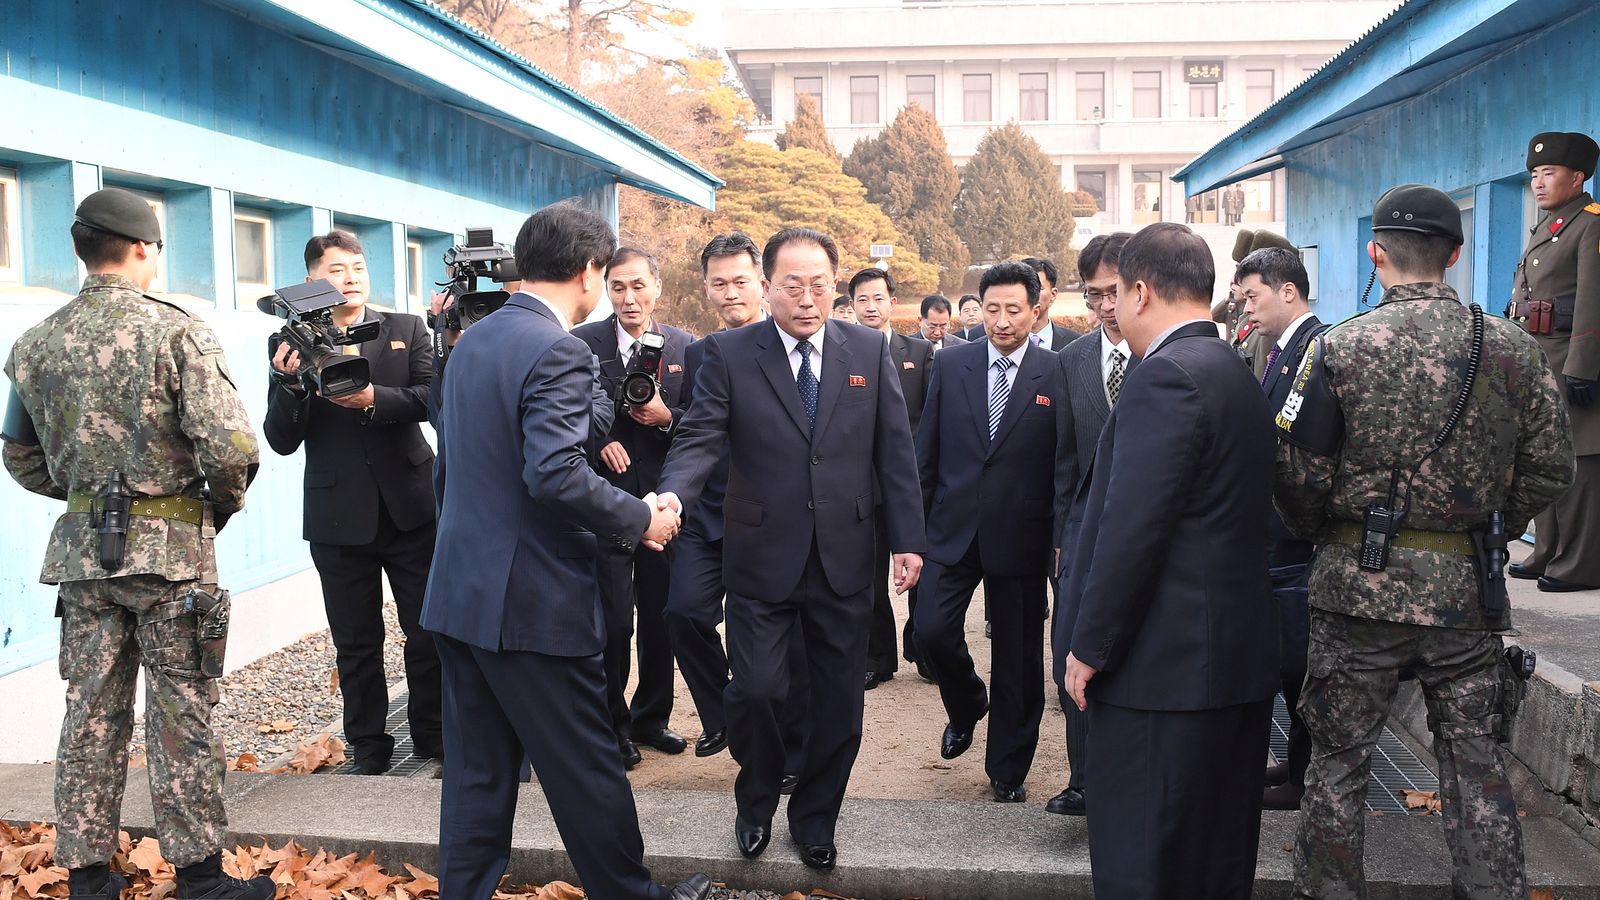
{"points": [[641, 367], [369, 506]]}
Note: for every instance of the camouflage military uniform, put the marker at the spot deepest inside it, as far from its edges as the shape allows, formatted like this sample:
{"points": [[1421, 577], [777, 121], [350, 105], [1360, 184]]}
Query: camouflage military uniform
{"points": [[116, 380], [1396, 373]]}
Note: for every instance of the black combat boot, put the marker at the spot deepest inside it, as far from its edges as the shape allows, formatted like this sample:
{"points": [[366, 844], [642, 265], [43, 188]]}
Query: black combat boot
{"points": [[96, 882], [205, 881]]}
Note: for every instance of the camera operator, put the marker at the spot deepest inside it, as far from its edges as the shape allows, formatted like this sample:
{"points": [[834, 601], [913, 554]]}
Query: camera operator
{"points": [[369, 506], [630, 457]]}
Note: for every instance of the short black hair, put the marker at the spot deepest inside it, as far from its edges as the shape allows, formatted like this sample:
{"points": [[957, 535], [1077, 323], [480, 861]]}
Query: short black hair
{"points": [[98, 247], [731, 243], [1276, 267], [966, 297], [1102, 250], [1011, 273], [560, 241], [1044, 267], [1415, 252], [866, 275], [628, 253], [1173, 260], [841, 300], [935, 301], [769, 254], [322, 243]]}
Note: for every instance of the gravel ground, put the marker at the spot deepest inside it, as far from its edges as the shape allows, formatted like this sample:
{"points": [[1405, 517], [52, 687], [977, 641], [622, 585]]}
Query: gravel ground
{"points": [[294, 684]]}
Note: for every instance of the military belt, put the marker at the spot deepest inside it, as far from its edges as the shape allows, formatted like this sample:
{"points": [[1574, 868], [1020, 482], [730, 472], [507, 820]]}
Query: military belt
{"points": [[177, 507], [1458, 542]]}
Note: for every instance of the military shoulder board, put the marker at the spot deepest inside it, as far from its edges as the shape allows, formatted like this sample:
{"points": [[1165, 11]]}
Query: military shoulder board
{"points": [[1593, 209]]}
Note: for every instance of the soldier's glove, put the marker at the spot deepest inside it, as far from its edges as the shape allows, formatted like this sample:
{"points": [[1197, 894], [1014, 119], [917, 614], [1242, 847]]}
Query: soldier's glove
{"points": [[1580, 391]]}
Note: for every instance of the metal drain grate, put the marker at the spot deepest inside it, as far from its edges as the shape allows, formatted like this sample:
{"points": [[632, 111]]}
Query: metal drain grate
{"points": [[1395, 769], [403, 763]]}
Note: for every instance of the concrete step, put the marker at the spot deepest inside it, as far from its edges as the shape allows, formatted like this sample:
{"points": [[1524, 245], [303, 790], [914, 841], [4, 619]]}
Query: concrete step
{"points": [[889, 849]]}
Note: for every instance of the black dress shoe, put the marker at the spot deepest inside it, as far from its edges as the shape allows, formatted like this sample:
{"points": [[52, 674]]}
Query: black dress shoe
{"points": [[1070, 802], [1008, 793], [695, 887], [954, 742], [818, 856], [1284, 796], [1278, 774], [873, 679], [752, 839], [630, 753], [370, 766], [711, 743], [786, 786], [1557, 586], [1518, 570], [664, 739], [926, 673], [433, 749]]}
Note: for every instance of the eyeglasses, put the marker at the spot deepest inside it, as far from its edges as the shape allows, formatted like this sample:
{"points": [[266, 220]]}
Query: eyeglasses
{"points": [[817, 291], [1094, 297], [160, 245]]}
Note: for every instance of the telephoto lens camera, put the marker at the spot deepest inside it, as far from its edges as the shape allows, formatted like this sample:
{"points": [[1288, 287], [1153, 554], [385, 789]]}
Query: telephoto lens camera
{"points": [[479, 257], [643, 380], [309, 331]]}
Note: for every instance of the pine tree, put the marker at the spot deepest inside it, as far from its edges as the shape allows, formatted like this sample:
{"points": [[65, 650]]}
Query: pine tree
{"points": [[907, 171], [806, 130], [1012, 203]]}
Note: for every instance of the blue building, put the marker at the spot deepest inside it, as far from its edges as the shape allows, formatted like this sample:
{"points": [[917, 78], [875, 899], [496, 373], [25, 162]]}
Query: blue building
{"points": [[251, 125], [1442, 92]]}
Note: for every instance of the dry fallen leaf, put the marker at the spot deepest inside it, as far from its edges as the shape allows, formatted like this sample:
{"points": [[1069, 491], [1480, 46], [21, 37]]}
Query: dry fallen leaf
{"points": [[1423, 800], [323, 750], [421, 882], [333, 683], [146, 855], [246, 762], [36, 881], [794, 895]]}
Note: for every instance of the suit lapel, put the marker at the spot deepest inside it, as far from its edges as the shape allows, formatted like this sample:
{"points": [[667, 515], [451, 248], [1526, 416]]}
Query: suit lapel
{"points": [[774, 363], [836, 359], [1087, 368], [1023, 391], [898, 348], [978, 395], [610, 359]]}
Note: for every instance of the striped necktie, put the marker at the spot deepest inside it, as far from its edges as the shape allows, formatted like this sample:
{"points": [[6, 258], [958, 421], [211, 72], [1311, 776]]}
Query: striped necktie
{"points": [[1272, 360], [999, 394]]}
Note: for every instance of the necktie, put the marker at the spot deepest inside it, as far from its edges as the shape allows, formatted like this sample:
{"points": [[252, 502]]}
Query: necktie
{"points": [[1037, 341], [1272, 360], [999, 394], [1114, 380], [806, 381]]}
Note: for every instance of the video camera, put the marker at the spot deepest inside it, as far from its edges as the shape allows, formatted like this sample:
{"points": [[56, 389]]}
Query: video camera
{"points": [[310, 332], [479, 257], [643, 380]]}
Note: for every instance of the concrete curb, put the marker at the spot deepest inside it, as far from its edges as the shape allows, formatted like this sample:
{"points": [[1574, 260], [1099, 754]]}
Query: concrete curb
{"points": [[889, 849]]}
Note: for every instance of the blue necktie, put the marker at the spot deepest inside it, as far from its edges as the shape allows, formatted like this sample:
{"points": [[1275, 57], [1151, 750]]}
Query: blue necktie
{"points": [[999, 394], [806, 381]]}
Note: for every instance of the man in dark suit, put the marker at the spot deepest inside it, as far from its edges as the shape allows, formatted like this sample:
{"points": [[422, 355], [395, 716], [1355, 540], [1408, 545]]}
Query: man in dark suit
{"points": [[1273, 284], [1093, 369], [1046, 333], [1175, 626], [731, 267], [971, 309], [934, 324], [986, 456], [513, 597], [369, 504], [872, 293], [811, 415], [630, 457]]}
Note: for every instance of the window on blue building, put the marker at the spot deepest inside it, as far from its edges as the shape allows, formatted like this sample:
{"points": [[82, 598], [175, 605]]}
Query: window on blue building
{"points": [[414, 287], [10, 228], [252, 250], [158, 205], [1459, 276]]}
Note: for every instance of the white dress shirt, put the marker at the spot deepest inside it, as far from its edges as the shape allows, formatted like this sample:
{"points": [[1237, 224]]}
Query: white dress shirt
{"points": [[1011, 373], [625, 342], [790, 342], [560, 316]]}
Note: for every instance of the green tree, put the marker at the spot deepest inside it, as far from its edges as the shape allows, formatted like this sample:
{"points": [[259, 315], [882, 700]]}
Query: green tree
{"points": [[806, 130], [1012, 203], [908, 172]]}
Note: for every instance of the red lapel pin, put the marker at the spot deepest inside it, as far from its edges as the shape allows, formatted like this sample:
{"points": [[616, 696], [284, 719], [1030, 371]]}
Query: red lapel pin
{"points": [[1041, 400], [858, 381]]}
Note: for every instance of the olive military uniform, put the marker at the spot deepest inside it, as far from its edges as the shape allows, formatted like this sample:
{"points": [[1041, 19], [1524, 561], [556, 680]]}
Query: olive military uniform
{"points": [[1561, 269], [1394, 374], [116, 380]]}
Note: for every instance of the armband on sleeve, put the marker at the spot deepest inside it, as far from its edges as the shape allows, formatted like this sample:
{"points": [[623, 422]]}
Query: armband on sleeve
{"points": [[1311, 418], [18, 428]]}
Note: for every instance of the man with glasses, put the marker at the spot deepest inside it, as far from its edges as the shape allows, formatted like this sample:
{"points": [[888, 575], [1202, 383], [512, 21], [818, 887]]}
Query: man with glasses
{"points": [[811, 419]]}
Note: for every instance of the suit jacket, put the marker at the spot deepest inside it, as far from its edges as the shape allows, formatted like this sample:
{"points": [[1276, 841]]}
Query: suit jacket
{"points": [[1170, 569], [704, 517], [1079, 422], [352, 462], [975, 333], [791, 485], [515, 564], [913, 359], [1061, 336], [1284, 549], [950, 339], [646, 444], [1001, 491]]}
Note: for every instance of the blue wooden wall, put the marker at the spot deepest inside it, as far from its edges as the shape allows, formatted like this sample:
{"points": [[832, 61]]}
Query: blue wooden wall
{"points": [[1468, 137]]}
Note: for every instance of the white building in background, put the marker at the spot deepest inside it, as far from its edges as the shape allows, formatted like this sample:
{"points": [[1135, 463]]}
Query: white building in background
{"points": [[1119, 93]]}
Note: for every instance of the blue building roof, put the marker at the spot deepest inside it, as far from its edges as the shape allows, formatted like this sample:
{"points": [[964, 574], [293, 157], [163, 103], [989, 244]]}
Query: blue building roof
{"points": [[419, 44], [1416, 48]]}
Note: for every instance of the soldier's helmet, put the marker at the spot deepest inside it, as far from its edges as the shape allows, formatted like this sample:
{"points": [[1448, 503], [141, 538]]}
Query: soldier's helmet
{"points": [[1420, 208]]}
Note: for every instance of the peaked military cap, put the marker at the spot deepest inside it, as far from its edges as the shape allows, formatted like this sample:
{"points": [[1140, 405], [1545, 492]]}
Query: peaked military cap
{"points": [[1563, 148], [120, 212], [1419, 208]]}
